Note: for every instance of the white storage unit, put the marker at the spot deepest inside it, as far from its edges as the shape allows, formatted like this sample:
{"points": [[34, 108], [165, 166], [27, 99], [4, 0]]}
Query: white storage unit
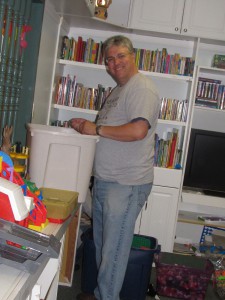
{"points": [[61, 158], [158, 217], [189, 38], [167, 181], [199, 18]]}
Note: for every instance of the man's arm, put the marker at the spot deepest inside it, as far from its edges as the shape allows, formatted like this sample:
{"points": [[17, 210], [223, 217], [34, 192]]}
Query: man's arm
{"points": [[132, 131]]}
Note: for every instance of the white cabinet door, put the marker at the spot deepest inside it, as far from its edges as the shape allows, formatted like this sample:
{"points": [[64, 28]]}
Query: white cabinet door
{"points": [[158, 217], [157, 15], [201, 18], [204, 18]]}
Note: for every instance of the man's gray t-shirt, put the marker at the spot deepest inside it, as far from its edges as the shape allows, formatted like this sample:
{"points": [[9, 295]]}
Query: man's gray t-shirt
{"points": [[129, 163]]}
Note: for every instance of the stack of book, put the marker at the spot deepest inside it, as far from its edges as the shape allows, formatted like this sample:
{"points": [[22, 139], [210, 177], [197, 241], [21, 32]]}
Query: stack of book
{"points": [[167, 152], [71, 93], [210, 93], [81, 50], [173, 109], [160, 61]]}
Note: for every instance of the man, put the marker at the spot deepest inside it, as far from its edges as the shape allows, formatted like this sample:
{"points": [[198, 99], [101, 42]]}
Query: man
{"points": [[123, 165]]}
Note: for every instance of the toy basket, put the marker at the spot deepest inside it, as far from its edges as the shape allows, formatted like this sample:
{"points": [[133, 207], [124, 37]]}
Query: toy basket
{"points": [[182, 276]]}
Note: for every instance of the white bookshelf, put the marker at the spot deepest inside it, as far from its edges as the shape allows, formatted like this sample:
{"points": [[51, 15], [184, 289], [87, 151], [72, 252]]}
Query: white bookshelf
{"points": [[172, 86]]}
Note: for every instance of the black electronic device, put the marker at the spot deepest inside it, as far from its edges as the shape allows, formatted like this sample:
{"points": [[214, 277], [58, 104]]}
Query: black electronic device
{"points": [[205, 167]]}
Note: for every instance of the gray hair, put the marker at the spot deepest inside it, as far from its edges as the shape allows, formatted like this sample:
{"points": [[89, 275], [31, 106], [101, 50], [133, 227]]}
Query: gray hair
{"points": [[118, 40]]}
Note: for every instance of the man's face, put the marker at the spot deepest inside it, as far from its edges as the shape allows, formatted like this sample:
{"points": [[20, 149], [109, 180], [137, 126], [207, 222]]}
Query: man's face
{"points": [[120, 64]]}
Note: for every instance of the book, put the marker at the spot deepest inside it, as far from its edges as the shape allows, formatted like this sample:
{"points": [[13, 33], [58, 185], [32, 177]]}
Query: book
{"points": [[71, 48], [94, 52], [206, 103], [64, 47], [163, 60], [203, 79], [79, 48], [221, 101], [173, 149]]}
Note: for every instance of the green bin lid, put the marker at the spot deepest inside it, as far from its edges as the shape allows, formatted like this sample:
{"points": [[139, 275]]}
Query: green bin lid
{"points": [[141, 242]]}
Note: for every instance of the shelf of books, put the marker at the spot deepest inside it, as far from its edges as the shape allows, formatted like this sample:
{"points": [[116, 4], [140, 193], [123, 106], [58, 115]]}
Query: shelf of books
{"points": [[94, 112], [80, 57], [157, 60], [210, 91]]}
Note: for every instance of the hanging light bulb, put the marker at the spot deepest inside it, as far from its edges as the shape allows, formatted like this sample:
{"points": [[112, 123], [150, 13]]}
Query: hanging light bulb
{"points": [[103, 3]]}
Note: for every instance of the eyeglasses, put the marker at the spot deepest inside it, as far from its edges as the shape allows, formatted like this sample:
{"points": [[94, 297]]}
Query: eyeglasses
{"points": [[111, 59]]}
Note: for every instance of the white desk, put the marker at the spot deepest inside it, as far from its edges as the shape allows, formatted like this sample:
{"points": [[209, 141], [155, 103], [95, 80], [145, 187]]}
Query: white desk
{"points": [[43, 283]]}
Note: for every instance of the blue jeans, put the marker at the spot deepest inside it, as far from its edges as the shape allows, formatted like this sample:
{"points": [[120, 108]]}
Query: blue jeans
{"points": [[115, 210]]}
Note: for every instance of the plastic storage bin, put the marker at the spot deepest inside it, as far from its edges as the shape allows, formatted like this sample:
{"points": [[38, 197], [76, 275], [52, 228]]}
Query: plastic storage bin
{"points": [[182, 276], [60, 158], [59, 203], [138, 271]]}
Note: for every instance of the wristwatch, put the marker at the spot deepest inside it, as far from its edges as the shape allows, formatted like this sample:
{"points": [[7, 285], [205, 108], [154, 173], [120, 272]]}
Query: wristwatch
{"points": [[98, 129]]}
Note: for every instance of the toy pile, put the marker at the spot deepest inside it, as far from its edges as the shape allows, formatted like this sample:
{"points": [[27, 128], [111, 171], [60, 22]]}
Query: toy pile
{"points": [[20, 200]]}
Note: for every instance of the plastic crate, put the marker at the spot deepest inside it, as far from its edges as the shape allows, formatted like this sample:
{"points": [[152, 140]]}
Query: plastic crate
{"points": [[182, 276]]}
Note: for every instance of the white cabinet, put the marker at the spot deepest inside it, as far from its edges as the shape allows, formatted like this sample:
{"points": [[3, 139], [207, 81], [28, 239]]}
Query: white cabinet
{"points": [[204, 18], [158, 218], [198, 18], [157, 15]]}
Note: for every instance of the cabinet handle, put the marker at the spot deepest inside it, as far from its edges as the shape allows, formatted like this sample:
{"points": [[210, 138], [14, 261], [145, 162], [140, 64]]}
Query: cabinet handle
{"points": [[185, 29], [176, 28]]}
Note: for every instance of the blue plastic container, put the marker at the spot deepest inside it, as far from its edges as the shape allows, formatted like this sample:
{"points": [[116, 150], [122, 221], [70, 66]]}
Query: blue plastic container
{"points": [[138, 273]]}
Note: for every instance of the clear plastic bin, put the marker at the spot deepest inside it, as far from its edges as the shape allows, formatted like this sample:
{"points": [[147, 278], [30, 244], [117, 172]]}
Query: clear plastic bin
{"points": [[59, 203]]}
